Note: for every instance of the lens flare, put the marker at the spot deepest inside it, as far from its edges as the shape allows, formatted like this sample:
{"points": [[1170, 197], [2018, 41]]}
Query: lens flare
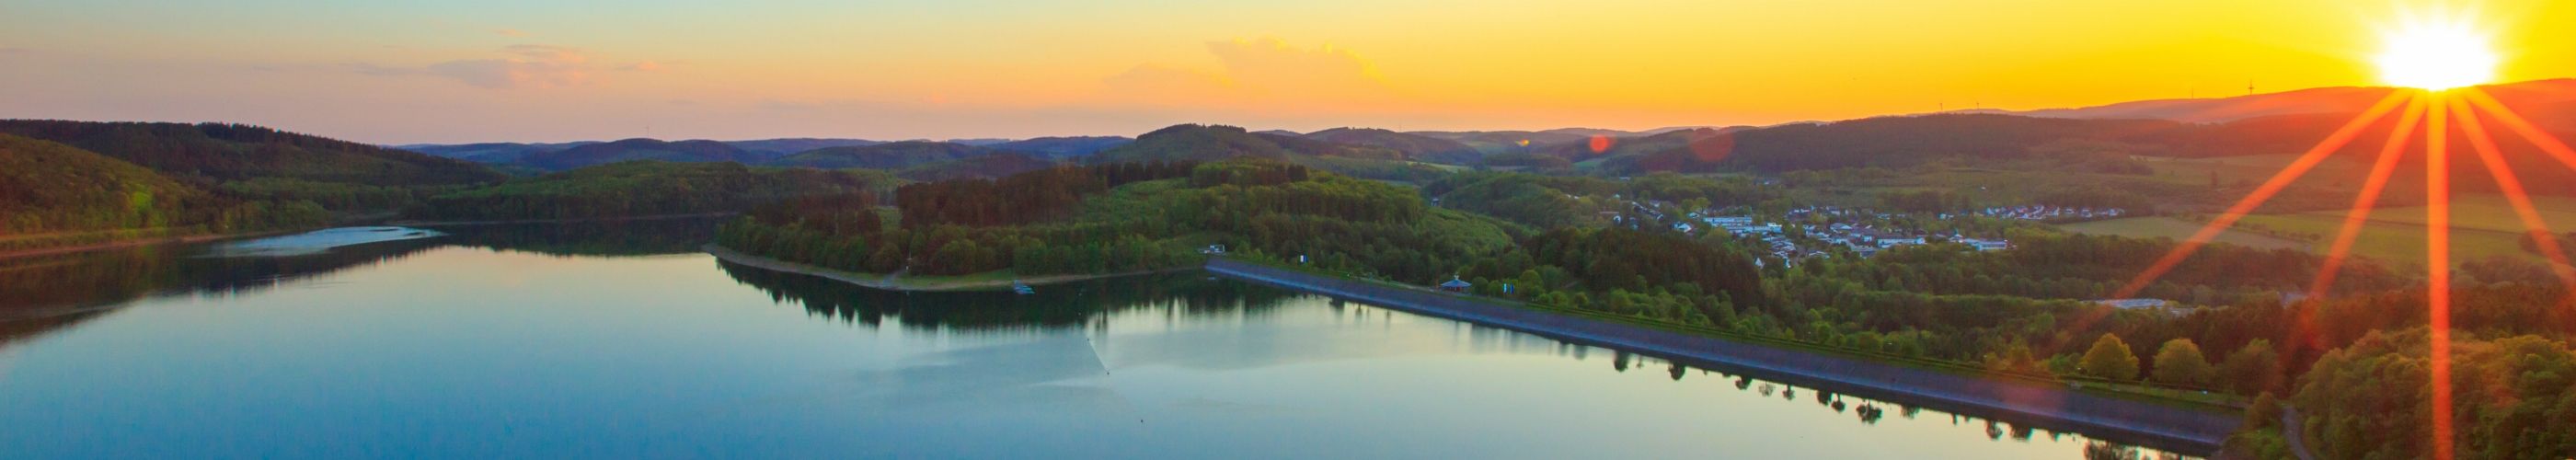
{"points": [[2436, 56]]}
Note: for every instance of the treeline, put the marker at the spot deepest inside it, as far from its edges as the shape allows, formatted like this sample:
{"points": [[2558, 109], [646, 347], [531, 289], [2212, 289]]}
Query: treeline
{"points": [[55, 195], [1626, 272], [229, 152], [2512, 396], [1545, 201], [644, 188], [92, 182], [1126, 217], [1036, 196]]}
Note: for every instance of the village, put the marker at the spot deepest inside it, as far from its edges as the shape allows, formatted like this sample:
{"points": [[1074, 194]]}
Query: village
{"points": [[1819, 231]]}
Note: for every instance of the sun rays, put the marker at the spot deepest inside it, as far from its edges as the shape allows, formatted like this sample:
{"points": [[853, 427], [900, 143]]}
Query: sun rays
{"points": [[2466, 111], [2440, 63]]}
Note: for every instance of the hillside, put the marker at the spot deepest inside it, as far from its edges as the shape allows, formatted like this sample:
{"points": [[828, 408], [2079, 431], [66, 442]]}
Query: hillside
{"points": [[1126, 217], [489, 152], [1218, 142], [2341, 101], [1492, 142], [979, 167], [1411, 146], [1064, 147], [51, 187], [222, 152], [694, 151], [887, 156], [774, 148], [643, 188]]}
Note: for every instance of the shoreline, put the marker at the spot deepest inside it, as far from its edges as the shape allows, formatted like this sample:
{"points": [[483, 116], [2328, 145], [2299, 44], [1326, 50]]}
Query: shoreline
{"points": [[466, 223], [2048, 406], [887, 283], [132, 243]]}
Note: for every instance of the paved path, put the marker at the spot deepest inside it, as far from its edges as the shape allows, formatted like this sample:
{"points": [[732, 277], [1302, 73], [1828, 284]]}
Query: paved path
{"points": [[2292, 431], [2043, 406]]}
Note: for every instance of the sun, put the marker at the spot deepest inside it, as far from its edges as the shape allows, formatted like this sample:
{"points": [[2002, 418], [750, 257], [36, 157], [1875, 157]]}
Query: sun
{"points": [[2436, 57]]}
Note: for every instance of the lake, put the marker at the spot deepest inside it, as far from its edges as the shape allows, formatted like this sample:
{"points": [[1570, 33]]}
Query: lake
{"points": [[622, 341]]}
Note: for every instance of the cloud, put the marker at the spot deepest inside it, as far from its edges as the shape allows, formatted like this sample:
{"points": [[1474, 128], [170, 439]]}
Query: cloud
{"points": [[1265, 73], [1158, 85], [538, 66], [1271, 65], [507, 32], [14, 51], [642, 66]]}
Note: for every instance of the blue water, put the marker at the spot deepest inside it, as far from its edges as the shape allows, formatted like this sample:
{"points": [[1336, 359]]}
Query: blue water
{"points": [[507, 348]]}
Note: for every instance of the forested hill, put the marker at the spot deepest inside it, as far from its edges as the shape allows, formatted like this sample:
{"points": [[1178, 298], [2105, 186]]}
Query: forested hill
{"points": [[889, 156], [1129, 216], [1064, 147], [54, 195], [225, 152], [1503, 141], [986, 167], [695, 151], [1412, 146], [50, 187], [645, 188], [490, 152], [1218, 142], [1898, 142], [774, 148]]}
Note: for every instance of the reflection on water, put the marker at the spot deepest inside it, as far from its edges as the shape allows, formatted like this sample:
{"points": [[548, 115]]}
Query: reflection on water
{"points": [[621, 238], [527, 341], [1054, 306]]}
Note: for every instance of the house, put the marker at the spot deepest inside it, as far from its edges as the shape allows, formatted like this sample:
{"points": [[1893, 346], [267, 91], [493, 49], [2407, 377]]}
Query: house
{"points": [[2134, 303], [1730, 221], [1213, 249], [1986, 244], [1456, 285]]}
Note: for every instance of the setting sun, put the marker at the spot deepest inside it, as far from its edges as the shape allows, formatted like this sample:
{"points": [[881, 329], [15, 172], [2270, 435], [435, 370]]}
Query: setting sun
{"points": [[2436, 57]]}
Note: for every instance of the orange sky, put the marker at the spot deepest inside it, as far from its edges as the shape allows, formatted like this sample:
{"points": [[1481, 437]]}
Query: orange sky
{"points": [[491, 70]]}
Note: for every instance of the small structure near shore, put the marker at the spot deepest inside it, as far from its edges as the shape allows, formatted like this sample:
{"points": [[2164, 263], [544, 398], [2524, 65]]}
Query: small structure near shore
{"points": [[1456, 285]]}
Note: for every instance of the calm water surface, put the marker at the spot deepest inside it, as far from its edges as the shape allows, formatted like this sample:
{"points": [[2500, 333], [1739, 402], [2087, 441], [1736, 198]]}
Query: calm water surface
{"points": [[556, 342]]}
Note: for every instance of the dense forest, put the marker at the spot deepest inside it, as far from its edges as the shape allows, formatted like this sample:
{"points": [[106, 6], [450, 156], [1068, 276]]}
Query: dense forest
{"points": [[1124, 217], [640, 149], [891, 155], [71, 183], [50, 187], [1412, 146], [644, 188]]}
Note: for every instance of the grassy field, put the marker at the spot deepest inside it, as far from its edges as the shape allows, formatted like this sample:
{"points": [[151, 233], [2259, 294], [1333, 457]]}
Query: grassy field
{"points": [[2482, 226], [2337, 173], [2167, 227]]}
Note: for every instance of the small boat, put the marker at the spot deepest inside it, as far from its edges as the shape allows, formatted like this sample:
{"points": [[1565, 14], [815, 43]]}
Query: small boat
{"points": [[1022, 288]]}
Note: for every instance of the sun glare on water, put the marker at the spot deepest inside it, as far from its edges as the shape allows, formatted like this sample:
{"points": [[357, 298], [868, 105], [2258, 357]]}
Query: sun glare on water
{"points": [[2436, 56]]}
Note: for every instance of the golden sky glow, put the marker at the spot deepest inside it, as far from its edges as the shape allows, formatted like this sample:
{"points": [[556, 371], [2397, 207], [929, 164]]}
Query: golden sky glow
{"points": [[2436, 54], [495, 70]]}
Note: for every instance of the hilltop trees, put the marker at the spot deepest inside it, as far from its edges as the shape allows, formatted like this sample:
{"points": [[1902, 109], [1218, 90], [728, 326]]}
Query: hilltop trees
{"points": [[643, 188], [2179, 362], [2513, 397], [2253, 369], [2110, 358], [1124, 217]]}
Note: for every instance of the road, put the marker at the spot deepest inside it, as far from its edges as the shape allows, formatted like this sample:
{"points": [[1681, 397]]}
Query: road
{"points": [[2047, 406]]}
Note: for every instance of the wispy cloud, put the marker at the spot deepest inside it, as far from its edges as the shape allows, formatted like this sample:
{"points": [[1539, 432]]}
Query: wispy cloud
{"points": [[15, 51], [507, 32], [539, 66], [1264, 72], [642, 66]]}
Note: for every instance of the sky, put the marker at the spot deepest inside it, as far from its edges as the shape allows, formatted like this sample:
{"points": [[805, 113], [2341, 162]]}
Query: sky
{"points": [[410, 71]]}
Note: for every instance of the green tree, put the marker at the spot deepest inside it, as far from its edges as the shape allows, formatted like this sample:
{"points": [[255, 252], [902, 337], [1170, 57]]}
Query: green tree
{"points": [[2180, 362], [2110, 358], [2256, 368]]}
